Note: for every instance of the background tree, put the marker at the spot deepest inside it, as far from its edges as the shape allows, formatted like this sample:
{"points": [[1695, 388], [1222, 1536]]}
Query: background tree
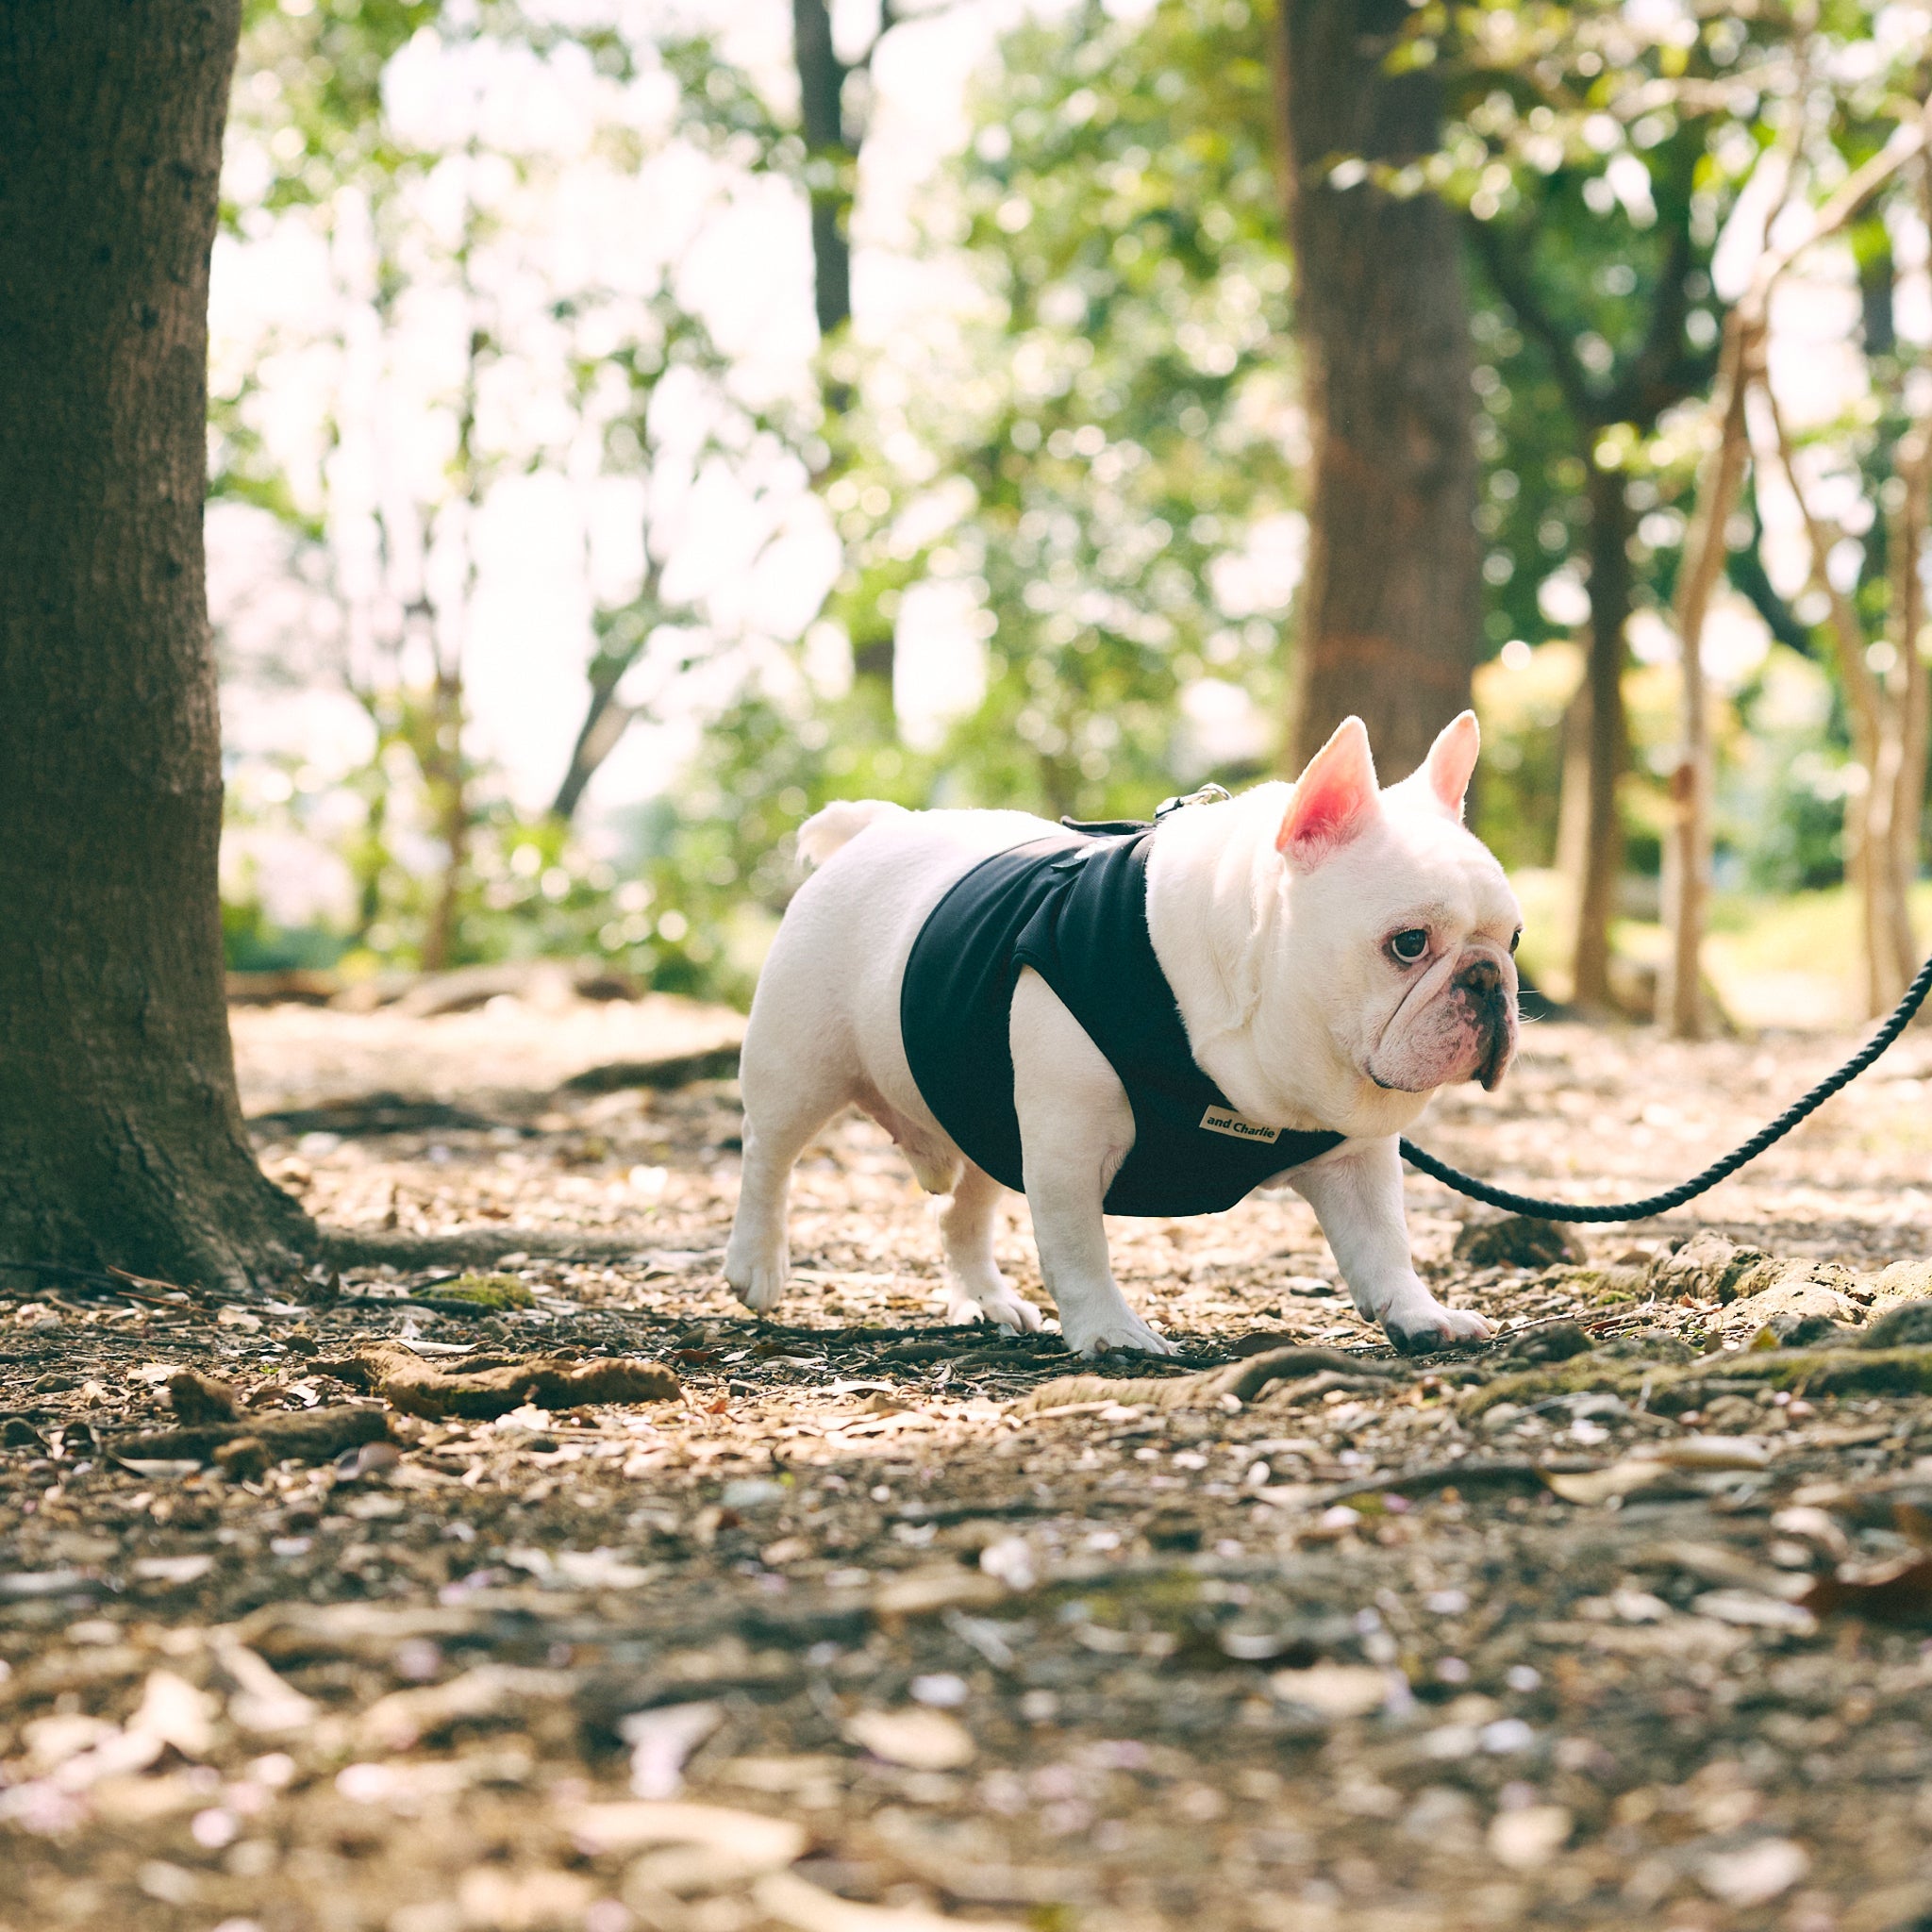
{"points": [[833, 121], [1390, 615], [1884, 679], [121, 1136], [1607, 301]]}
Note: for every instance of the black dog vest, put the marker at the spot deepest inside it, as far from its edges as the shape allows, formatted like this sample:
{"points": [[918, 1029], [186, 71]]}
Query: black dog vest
{"points": [[1075, 908]]}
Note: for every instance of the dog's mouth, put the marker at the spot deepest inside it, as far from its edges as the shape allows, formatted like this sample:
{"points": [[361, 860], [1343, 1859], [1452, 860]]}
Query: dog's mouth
{"points": [[1499, 1050], [1466, 1031]]}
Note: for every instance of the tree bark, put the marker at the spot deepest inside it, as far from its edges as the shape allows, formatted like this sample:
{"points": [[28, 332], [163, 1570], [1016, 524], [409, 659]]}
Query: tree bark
{"points": [[1915, 698], [822, 102], [120, 1134], [442, 766], [1390, 606], [1601, 854], [605, 723], [606, 718], [1686, 845]]}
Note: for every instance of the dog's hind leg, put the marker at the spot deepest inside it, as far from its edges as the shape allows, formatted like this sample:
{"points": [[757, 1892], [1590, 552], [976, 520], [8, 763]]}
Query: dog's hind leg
{"points": [[976, 1289], [790, 1093]]}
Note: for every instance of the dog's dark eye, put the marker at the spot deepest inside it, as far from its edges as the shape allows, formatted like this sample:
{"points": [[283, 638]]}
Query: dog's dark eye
{"points": [[1408, 946], [1516, 938]]}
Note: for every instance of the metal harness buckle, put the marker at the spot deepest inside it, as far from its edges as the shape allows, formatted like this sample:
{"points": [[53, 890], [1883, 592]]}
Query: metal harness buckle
{"points": [[1209, 794]]}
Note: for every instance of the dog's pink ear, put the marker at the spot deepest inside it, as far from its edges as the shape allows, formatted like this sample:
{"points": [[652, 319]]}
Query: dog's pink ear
{"points": [[1451, 760], [1334, 799]]}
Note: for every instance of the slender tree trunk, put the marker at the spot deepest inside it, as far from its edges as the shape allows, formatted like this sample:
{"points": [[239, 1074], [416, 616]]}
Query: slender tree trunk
{"points": [[1886, 714], [822, 102], [607, 719], [1390, 606], [1908, 537], [1573, 786], [450, 795], [121, 1136], [447, 630], [370, 863], [1601, 845], [1687, 847], [605, 723], [831, 170]]}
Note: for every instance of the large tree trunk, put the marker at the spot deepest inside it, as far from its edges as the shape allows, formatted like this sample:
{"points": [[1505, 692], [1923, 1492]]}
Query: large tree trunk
{"points": [[1600, 854], [1390, 606], [121, 1137]]}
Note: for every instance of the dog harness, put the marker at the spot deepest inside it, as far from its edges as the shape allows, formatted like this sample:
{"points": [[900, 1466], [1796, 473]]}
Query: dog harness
{"points": [[1075, 908]]}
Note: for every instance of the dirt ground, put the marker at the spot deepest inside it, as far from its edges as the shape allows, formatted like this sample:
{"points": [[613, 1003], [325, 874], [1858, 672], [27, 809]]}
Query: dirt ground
{"points": [[869, 1627]]}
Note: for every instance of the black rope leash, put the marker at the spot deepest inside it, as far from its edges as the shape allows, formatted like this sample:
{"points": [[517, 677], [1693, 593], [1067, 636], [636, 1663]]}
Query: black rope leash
{"points": [[1766, 1136]]}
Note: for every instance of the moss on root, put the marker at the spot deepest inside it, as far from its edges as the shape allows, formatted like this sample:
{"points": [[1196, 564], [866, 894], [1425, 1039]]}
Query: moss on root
{"points": [[491, 1291], [1602, 1286], [1825, 1372], [1801, 1371], [1581, 1375]]}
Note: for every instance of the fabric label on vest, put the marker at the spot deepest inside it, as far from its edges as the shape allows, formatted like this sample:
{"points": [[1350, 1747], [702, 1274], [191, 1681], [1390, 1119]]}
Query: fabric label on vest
{"points": [[1224, 1120]]}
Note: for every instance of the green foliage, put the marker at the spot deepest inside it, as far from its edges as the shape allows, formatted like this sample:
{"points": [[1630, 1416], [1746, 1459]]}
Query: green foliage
{"points": [[1135, 418], [309, 75], [253, 943], [1114, 428], [1520, 700], [1781, 802]]}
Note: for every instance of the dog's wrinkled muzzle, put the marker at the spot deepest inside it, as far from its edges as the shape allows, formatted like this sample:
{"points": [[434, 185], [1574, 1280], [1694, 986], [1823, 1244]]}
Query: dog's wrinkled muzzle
{"points": [[1489, 993]]}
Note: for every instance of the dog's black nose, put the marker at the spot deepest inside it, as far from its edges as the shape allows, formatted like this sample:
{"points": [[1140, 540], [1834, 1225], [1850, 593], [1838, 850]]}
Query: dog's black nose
{"points": [[1482, 978], [1481, 982]]}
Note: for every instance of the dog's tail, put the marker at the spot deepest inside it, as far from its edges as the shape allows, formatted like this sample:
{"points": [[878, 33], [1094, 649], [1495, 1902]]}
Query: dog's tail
{"points": [[826, 831]]}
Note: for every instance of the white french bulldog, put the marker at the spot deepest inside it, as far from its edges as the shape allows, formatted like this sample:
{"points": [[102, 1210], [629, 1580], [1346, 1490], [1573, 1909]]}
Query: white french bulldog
{"points": [[1337, 952]]}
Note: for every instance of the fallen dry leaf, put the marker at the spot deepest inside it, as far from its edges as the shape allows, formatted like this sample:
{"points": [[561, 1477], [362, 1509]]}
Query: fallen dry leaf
{"points": [[404, 1718], [634, 1825], [660, 1742], [1899, 1593], [1754, 1875], [1656, 1462], [789, 1899], [686, 1848], [1528, 1838], [1333, 1690], [919, 1739]]}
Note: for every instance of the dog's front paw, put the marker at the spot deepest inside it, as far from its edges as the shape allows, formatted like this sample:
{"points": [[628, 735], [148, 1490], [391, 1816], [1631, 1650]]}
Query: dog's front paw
{"points": [[757, 1281], [1125, 1332], [1002, 1304], [1425, 1325]]}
